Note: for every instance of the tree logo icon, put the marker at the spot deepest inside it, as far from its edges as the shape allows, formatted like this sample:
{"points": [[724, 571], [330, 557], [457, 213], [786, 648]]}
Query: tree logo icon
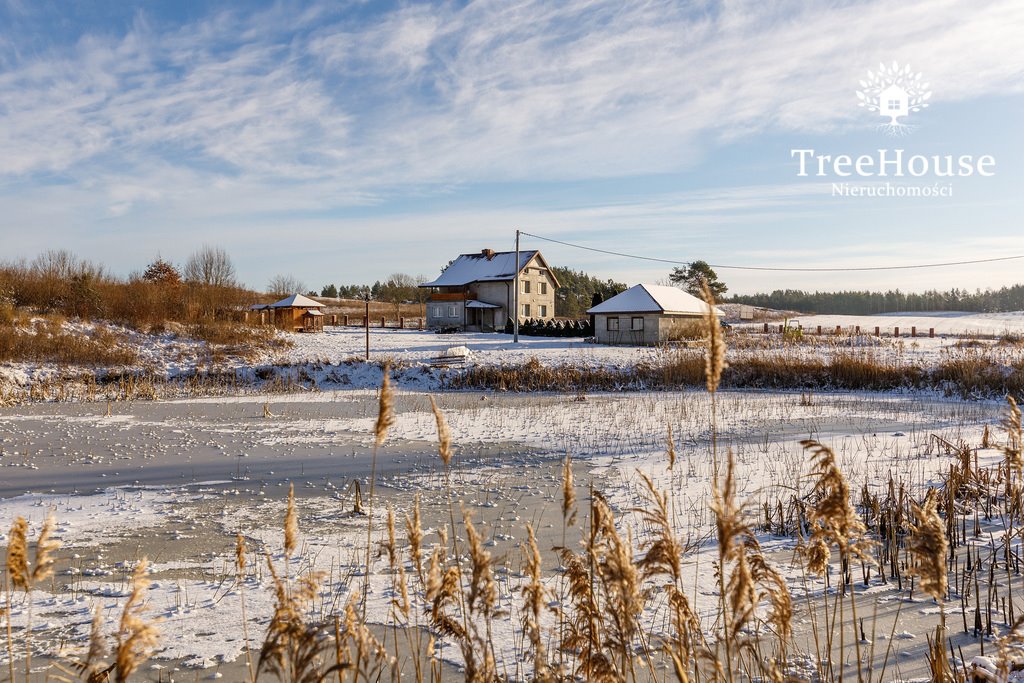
{"points": [[894, 92]]}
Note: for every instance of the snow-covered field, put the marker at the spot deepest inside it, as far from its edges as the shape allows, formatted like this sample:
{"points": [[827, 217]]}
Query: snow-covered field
{"points": [[410, 345], [507, 473], [952, 323], [332, 358]]}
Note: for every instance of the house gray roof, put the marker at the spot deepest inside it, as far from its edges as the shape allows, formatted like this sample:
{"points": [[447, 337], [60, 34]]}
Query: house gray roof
{"points": [[296, 301], [653, 299], [501, 266]]}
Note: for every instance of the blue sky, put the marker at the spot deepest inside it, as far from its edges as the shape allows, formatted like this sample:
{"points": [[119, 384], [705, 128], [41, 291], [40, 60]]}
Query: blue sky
{"points": [[341, 142]]}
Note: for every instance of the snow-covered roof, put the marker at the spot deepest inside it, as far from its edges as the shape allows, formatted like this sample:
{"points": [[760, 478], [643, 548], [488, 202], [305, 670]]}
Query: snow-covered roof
{"points": [[480, 304], [653, 299], [498, 267], [296, 301]]}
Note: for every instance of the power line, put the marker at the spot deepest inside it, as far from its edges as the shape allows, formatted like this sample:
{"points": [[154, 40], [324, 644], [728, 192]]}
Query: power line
{"points": [[777, 269]]}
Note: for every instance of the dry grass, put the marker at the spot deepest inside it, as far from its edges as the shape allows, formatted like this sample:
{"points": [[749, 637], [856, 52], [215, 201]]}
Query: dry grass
{"points": [[967, 375], [47, 340]]}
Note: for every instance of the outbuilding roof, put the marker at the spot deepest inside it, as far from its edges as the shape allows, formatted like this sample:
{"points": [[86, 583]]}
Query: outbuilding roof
{"points": [[653, 299], [296, 301], [484, 266]]}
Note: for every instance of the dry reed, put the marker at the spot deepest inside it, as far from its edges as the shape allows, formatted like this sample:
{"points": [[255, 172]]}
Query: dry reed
{"points": [[385, 412], [291, 526], [135, 638], [533, 604], [444, 439], [714, 359]]}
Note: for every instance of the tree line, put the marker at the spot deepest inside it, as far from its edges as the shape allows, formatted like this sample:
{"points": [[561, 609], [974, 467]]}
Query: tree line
{"points": [[577, 291], [865, 302], [854, 302], [205, 288]]}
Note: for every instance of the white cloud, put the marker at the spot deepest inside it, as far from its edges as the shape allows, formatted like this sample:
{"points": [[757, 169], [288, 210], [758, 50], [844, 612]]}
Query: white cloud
{"points": [[487, 91], [245, 123]]}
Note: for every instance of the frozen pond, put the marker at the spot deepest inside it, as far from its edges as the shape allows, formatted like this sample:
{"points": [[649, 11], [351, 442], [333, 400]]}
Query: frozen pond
{"points": [[174, 481]]}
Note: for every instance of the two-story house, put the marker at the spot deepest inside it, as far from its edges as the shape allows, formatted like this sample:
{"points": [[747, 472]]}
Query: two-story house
{"points": [[476, 292]]}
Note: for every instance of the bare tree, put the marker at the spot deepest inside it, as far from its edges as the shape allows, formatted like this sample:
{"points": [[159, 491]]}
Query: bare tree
{"points": [[397, 288], [210, 266], [283, 285]]}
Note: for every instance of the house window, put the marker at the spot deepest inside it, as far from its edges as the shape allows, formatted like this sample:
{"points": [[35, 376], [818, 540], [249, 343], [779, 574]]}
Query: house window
{"points": [[613, 325], [453, 311], [543, 288], [894, 105], [526, 310], [543, 311], [526, 286], [437, 311], [637, 324]]}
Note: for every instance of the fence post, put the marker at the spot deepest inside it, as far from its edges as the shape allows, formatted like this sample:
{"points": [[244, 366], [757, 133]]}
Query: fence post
{"points": [[345, 318], [913, 331], [401, 323], [819, 330], [781, 329], [839, 330], [382, 322], [857, 330], [766, 328], [896, 332], [421, 323], [878, 331], [931, 332]]}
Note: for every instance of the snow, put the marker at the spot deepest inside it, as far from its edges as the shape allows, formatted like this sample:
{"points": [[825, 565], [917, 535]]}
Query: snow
{"points": [[944, 322], [469, 268], [644, 298], [614, 437], [335, 357], [296, 301]]}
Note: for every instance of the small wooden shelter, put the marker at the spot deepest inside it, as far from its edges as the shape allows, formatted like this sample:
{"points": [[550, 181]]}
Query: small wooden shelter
{"points": [[295, 313]]}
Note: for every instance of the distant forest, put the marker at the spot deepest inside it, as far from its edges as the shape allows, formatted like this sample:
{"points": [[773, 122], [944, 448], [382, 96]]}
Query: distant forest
{"points": [[576, 291], [867, 303]]}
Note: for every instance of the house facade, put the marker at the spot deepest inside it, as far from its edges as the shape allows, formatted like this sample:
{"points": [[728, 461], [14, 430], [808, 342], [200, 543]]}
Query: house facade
{"points": [[647, 314], [476, 292]]}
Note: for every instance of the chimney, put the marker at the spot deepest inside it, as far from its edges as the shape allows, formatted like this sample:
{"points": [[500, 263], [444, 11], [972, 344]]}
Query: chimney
{"points": [[487, 253]]}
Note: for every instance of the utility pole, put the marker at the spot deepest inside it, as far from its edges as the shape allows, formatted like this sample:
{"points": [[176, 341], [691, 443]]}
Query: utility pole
{"points": [[366, 324], [515, 297]]}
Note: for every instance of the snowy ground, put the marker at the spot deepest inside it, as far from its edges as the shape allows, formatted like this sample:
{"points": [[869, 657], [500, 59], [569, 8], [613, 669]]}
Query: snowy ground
{"points": [[332, 358], [206, 469], [944, 323]]}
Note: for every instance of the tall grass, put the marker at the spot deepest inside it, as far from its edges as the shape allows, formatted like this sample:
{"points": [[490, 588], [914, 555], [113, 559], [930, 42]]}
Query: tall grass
{"points": [[966, 374], [626, 609]]}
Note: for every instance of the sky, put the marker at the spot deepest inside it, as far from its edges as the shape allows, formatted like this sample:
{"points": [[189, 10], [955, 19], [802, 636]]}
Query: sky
{"points": [[341, 142]]}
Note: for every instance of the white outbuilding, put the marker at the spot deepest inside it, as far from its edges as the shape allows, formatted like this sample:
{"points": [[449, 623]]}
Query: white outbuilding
{"points": [[648, 314]]}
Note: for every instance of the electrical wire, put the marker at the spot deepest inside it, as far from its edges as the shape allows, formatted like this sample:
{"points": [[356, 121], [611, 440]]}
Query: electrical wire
{"points": [[775, 268]]}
